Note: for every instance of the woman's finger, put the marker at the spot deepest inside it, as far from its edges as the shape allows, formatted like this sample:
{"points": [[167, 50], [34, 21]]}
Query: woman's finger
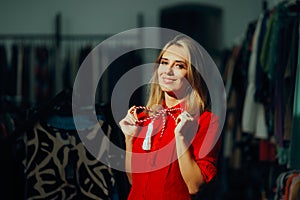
{"points": [[131, 119], [184, 117], [132, 112]]}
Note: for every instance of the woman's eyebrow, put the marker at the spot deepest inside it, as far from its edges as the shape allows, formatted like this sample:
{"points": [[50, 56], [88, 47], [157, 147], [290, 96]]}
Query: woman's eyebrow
{"points": [[164, 58], [178, 61]]}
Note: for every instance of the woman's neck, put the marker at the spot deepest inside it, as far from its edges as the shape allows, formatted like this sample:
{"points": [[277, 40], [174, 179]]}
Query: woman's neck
{"points": [[171, 100]]}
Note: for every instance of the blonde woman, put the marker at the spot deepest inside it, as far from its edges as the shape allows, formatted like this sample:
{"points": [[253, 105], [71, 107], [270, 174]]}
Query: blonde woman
{"points": [[164, 138]]}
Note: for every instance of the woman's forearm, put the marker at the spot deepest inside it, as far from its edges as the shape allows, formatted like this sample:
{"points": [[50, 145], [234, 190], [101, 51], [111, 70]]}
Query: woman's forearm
{"points": [[189, 169]]}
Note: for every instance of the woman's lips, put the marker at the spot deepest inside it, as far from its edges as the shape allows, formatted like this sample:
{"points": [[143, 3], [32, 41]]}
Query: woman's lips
{"points": [[168, 80]]}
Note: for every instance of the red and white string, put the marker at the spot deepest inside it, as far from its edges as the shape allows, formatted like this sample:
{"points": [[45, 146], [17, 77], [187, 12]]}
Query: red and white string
{"points": [[162, 112]]}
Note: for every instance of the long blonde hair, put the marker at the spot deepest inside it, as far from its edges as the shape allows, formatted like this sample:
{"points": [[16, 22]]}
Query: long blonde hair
{"points": [[196, 99]]}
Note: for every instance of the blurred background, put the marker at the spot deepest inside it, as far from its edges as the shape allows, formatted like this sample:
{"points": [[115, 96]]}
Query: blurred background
{"points": [[254, 44]]}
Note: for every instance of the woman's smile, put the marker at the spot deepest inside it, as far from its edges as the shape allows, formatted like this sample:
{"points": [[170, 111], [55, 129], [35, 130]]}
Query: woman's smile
{"points": [[168, 80]]}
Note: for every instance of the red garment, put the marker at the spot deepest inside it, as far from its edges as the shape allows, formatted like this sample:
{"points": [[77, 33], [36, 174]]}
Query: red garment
{"points": [[156, 174]]}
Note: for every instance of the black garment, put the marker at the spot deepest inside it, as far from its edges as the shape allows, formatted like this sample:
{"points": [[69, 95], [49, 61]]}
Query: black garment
{"points": [[85, 81], [25, 74], [11, 88], [3, 70], [43, 74], [262, 93]]}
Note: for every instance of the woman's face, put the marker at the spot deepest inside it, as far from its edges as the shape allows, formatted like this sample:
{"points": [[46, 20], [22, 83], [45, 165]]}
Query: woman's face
{"points": [[173, 69]]}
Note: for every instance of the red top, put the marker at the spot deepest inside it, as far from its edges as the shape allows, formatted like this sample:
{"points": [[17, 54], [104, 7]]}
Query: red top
{"points": [[156, 174]]}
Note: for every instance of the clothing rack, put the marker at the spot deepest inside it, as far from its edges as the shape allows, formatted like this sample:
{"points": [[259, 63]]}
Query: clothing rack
{"points": [[68, 37], [264, 156], [58, 37], [10, 144]]}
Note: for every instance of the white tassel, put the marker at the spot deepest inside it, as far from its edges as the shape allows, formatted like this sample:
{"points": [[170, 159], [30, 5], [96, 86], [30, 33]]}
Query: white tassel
{"points": [[147, 140]]}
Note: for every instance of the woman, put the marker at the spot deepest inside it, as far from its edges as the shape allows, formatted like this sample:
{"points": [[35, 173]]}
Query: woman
{"points": [[163, 139]]}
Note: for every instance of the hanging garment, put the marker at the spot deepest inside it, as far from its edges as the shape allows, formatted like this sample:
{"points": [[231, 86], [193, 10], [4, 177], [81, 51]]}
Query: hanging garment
{"points": [[294, 190], [294, 160], [284, 25], [289, 79], [261, 80], [25, 84], [11, 89], [58, 165], [3, 70], [253, 119], [288, 185], [43, 75], [281, 181]]}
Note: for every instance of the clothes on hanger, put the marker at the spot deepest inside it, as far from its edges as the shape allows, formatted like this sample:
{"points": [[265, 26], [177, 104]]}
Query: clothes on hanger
{"points": [[271, 50], [253, 119], [57, 163], [294, 160], [284, 187]]}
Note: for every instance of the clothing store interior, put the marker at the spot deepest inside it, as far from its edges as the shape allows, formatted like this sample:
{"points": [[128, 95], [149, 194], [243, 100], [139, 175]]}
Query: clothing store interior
{"points": [[45, 44]]}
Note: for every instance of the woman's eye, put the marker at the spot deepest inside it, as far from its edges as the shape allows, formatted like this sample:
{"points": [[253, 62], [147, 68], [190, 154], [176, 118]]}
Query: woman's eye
{"points": [[163, 62], [181, 66]]}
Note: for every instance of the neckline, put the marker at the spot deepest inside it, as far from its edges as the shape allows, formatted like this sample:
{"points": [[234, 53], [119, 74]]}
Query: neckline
{"points": [[181, 104]]}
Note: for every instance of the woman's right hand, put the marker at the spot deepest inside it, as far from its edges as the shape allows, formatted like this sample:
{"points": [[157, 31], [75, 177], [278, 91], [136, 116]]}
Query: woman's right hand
{"points": [[128, 123]]}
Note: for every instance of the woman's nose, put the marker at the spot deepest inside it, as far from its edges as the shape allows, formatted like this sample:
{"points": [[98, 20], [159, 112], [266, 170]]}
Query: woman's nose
{"points": [[169, 69]]}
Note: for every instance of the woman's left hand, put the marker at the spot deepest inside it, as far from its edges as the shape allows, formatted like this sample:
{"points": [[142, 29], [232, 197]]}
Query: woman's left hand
{"points": [[186, 125]]}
